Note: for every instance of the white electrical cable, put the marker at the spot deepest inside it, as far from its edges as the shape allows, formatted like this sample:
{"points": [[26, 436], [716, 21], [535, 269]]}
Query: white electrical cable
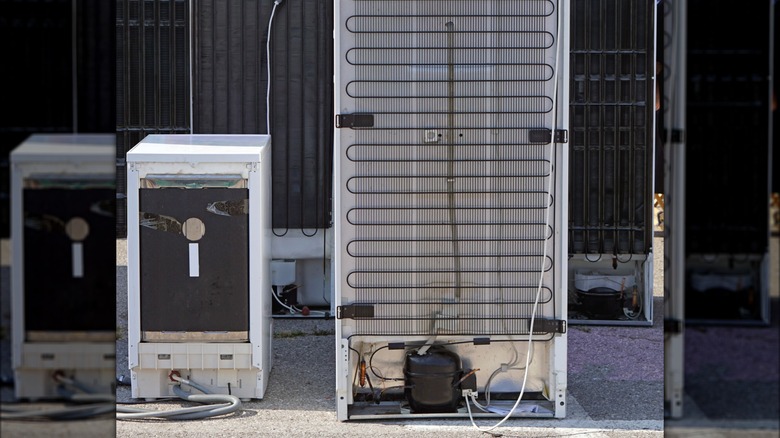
{"points": [[292, 310], [320, 312], [268, 69], [509, 367], [544, 250]]}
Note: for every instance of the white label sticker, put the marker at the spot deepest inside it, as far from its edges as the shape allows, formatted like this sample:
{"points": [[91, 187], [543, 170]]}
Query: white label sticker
{"points": [[78, 260], [194, 262]]}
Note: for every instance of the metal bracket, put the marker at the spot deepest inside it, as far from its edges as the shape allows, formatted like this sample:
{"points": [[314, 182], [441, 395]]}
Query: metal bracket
{"points": [[354, 120], [549, 325], [673, 326], [545, 136], [678, 135], [396, 345], [561, 136], [354, 311]]}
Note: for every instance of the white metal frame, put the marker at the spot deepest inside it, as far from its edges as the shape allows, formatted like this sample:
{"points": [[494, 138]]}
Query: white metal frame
{"points": [[92, 363], [674, 215], [249, 156]]}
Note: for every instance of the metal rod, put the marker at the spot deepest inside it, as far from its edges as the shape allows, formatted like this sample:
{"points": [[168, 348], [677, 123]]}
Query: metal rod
{"points": [[451, 153]]}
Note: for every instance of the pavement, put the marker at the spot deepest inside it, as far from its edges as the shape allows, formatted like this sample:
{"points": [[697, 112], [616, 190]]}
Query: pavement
{"points": [[731, 376], [615, 388], [731, 381], [615, 385]]}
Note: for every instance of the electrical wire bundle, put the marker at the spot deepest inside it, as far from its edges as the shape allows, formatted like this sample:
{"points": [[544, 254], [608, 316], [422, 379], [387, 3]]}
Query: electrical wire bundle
{"points": [[293, 309]]}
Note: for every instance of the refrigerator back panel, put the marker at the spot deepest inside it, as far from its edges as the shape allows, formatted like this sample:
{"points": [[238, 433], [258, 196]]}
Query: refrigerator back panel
{"points": [[194, 259], [162, 89], [449, 212], [444, 174], [729, 128]]}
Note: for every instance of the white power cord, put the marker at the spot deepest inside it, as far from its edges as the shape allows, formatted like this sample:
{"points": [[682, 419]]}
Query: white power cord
{"points": [[505, 368], [273, 292], [268, 69], [293, 308], [319, 312], [544, 250]]}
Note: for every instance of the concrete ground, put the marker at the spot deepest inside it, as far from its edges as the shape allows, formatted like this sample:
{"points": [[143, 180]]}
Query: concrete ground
{"points": [[615, 385], [732, 375], [615, 388], [603, 401], [732, 382]]}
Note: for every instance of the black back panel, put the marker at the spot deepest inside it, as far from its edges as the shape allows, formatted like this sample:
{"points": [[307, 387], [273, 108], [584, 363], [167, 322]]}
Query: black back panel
{"points": [[728, 125], [171, 300], [54, 299]]}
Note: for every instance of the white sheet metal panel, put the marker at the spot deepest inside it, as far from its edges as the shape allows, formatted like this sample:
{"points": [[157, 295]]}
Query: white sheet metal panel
{"points": [[245, 157], [448, 195], [673, 106]]}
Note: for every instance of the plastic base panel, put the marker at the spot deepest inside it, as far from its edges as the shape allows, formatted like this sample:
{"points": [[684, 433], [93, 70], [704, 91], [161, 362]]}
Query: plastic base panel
{"points": [[245, 384], [221, 367], [90, 364]]}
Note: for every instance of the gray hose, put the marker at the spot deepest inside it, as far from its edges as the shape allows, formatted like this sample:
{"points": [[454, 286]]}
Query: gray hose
{"points": [[79, 412], [89, 404], [225, 404]]}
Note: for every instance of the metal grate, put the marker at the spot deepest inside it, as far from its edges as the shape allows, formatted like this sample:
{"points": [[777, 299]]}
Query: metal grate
{"points": [[611, 116], [228, 72], [444, 197], [152, 79], [230, 94], [58, 72]]}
